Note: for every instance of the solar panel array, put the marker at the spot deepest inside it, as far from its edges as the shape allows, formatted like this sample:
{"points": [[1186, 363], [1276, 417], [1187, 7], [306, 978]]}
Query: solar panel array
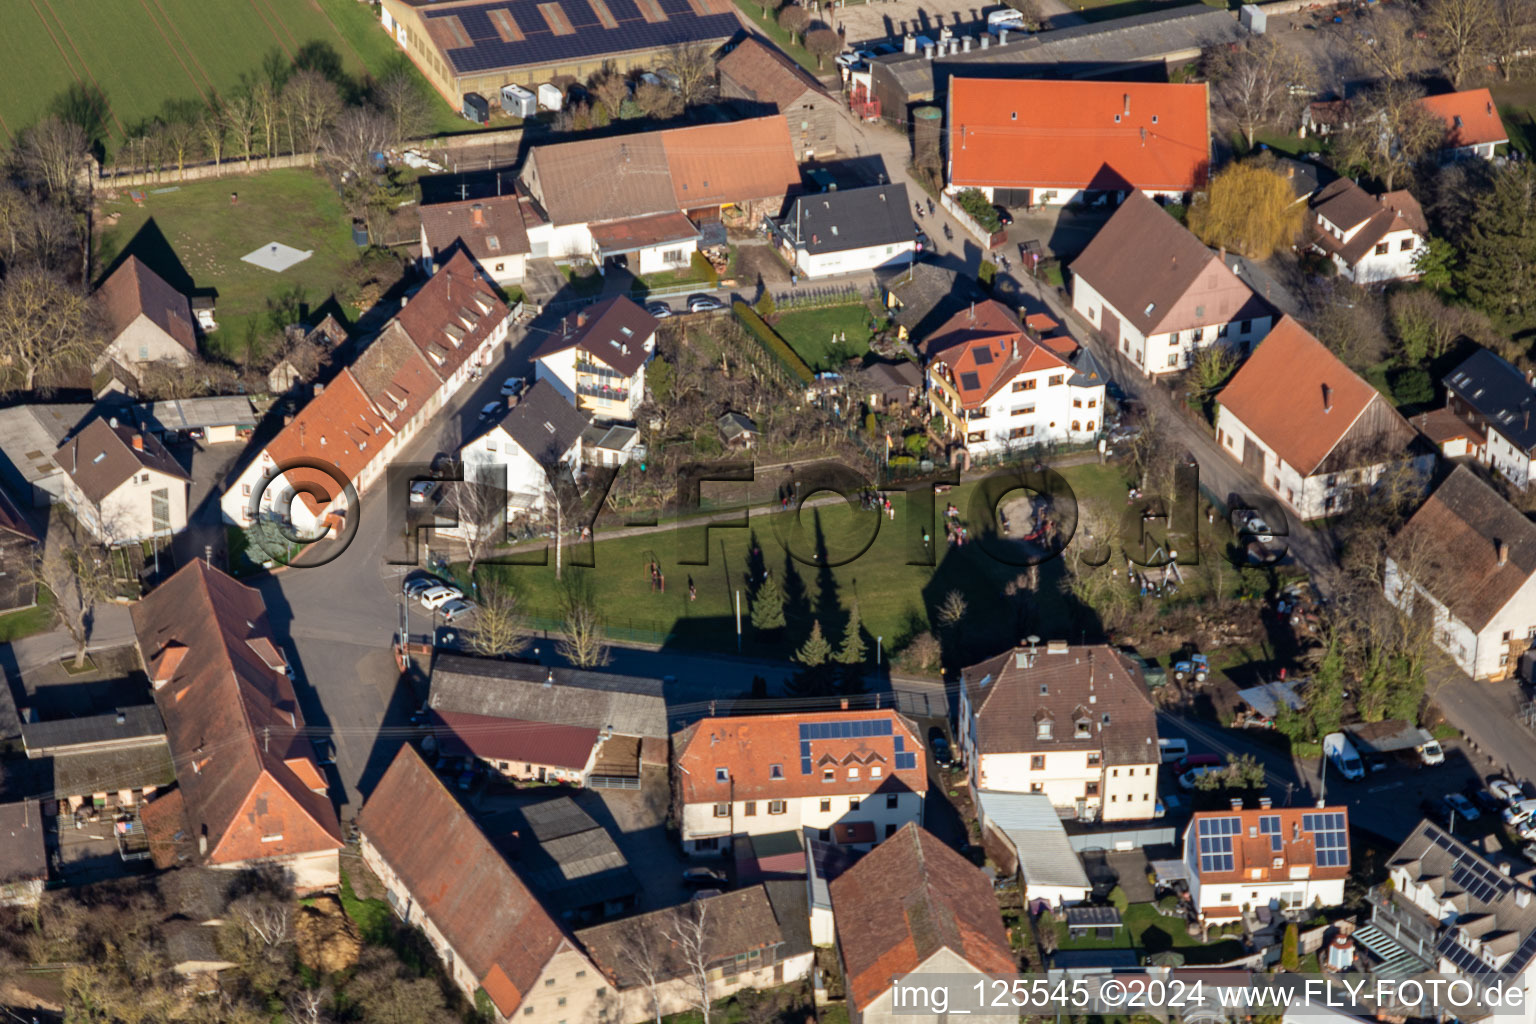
{"points": [[1330, 838], [1522, 955], [633, 31], [1461, 958], [862, 728], [1215, 835], [1269, 825], [1474, 877]]}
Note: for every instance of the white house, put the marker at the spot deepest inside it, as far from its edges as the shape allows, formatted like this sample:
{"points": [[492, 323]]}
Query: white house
{"points": [[1158, 295], [445, 336], [541, 432], [1466, 562], [123, 486], [848, 230], [1309, 428], [915, 906], [1492, 402], [1073, 723], [1369, 239], [851, 778], [147, 320], [1276, 857], [999, 389], [596, 360], [490, 229]]}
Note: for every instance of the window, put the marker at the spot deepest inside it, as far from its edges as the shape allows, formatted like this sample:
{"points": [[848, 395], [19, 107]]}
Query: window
{"points": [[1076, 426], [1037, 762], [827, 775], [976, 437], [548, 982], [1077, 403], [853, 773], [826, 806], [775, 806], [560, 1001], [874, 771], [1173, 359], [527, 1011], [749, 809], [1503, 660], [1018, 432], [712, 843], [1082, 729], [1094, 759], [245, 490], [1221, 332], [1173, 339], [1091, 789], [826, 835], [890, 830], [1508, 634], [1024, 410], [1114, 773], [1243, 327], [1054, 379], [722, 775], [1024, 385], [853, 803], [1381, 248], [1043, 730], [1093, 403], [776, 771], [581, 974], [892, 800], [722, 810], [1090, 425], [1036, 787], [143, 351], [1406, 246]]}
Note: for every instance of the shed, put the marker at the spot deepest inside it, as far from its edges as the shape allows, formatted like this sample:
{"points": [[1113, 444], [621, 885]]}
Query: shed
{"points": [[1093, 923], [215, 419], [518, 102], [1253, 18], [476, 109], [1266, 698], [737, 429], [202, 311], [1028, 827], [550, 97]]}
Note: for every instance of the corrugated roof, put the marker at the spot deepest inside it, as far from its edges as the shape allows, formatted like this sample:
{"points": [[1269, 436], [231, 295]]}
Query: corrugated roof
{"points": [[1039, 839], [1031, 133], [630, 705], [199, 413]]}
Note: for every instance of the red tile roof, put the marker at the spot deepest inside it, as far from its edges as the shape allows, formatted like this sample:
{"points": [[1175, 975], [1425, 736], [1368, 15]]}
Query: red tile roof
{"points": [[1025, 133], [908, 898], [232, 721], [1298, 398], [764, 74], [984, 348], [490, 228], [340, 426], [507, 739], [1253, 849], [1470, 116], [134, 289], [451, 315], [749, 746], [734, 162], [457, 878]]}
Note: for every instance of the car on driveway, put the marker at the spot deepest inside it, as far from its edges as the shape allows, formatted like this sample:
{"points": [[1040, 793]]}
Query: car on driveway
{"points": [[422, 491], [455, 608], [659, 310], [1461, 807], [418, 585], [939, 744], [704, 304], [439, 595]]}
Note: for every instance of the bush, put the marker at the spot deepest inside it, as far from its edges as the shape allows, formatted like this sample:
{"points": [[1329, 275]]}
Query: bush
{"points": [[772, 342], [705, 270], [974, 202], [1412, 386], [1119, 900], [1290, 956], [987, 273], [765, 305]]}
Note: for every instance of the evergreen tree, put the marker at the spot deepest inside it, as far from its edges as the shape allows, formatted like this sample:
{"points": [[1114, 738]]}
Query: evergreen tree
{"points": [[1498, 246], [852, 651], [768, 606], [815, 651]]}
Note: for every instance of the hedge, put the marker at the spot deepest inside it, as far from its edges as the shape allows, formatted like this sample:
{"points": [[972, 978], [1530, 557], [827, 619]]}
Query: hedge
{"points": [[705, 270], [771, 341]]}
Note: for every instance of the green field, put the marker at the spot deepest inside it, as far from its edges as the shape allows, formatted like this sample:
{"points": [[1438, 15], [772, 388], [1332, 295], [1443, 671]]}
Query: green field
{"points": [[810, 333], [143, 53], [197, 238]]}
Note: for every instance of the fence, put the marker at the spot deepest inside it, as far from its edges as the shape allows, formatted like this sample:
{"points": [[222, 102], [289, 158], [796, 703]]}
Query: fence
{"points": [[822, 298], [612, 782], [988, 240], [622, 630]]}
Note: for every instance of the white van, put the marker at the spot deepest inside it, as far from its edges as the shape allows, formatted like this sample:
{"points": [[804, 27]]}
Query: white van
{"points": [[1172, 748], [1519, 811]]}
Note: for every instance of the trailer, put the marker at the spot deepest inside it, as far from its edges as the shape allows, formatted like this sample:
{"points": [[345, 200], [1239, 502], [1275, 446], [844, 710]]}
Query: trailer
{"points": [[476, 109], [518, 102], [550, 97]]}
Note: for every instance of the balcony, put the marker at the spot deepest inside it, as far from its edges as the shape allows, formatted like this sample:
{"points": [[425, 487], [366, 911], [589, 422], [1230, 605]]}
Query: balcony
{"points": [[603, 392], [590, 369]]}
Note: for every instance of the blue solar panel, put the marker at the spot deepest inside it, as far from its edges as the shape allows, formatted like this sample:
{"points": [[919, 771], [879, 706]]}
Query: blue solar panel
{"points": [[1269, 825], [905, 762], [900, 744], [1330, 839]]}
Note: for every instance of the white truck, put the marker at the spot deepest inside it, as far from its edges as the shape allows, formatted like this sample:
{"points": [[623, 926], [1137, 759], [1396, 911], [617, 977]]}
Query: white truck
{"points": [[1338, 749]]}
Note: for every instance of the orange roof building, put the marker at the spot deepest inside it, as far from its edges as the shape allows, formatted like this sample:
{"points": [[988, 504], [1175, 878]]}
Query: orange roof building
{"points": [[1311, 429], [1026, 142], [1266, 857], [248, 787], [999, 386], [1472, 123], [853, 777], [914, 905]]}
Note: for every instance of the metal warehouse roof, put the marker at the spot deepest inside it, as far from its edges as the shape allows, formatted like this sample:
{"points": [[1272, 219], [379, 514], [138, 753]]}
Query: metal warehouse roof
{"points": [[200, 413], [1035, 830]]}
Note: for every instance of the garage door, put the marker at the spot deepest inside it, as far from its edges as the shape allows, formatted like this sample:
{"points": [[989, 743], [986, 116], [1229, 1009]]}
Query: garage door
{"points": [[1111, 328]]}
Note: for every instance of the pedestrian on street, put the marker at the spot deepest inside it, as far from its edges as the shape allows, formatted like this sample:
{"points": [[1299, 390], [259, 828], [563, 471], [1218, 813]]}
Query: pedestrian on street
{"points": [[693, 591]]}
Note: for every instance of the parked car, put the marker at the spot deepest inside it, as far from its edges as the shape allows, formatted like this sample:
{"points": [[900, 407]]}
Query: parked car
{"points": [[659, 310], [703, 304], [420, 585], [939, 744], [850, 60], [490, 409], [1192, 777], [512, 386], [455, 608], [422, 491], [1483, 799], [1506, 791], [704, 876], [439, 596], [1519, 812], [1461, 807], [1003, 216]]}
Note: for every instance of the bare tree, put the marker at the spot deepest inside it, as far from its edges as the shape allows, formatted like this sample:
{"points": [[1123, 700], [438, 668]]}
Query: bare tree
{"points": [[241, 118], [644, 953], [498, 628], [265, 917], [401, 99], [1389, 132], [1388, 45], [15, 215], [611, 90], [823, 42], [658, 101], [1459, 31], [1254, 84], [952, 609], [79, 576], [583, 641], [181, 139], [213, 127], [357, 134], [53, 155], [1511, 34], [687, 928], [311, 104], [46, 327], [792, 19], [267, 108], [480, 505], [694, 65], [307, 1006]]}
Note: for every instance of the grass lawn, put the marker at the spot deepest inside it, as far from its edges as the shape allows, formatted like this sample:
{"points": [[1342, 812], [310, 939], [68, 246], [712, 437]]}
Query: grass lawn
{"points": [[28, 621], [895, 597], [207, 236], [1284, 144], [1147, 932], [374, 919], [770, 28], [810, 333]]}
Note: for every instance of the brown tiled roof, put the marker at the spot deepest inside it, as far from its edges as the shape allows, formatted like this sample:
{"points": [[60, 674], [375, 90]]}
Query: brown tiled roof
{"points": [[23, 856], [101, 458], [1254, 855], [734, 923], [490, 228], [1009, 695], [1346, 205], [1299, 399], [449, 317], [985, 347], [639, 232], [1159, 276], [231, 719], [395, 375], [507, 739], [615, 332], [1452, 545], [457, 878], [908, 898], [767, 75], [133, 289], [749, 746], [1470, 117], [734, 162], [1442, 425]]}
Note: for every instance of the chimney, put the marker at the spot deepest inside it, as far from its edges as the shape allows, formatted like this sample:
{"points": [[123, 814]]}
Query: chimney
{"points": [[1502, 550], [928, 51], [1126, 98], [477, 213], [1522, 897], [1002, 36], [1504, 868], [1264, 803], [845, 703], [965, 44], [1327, 398], [202, 845], [1237, 803], [909, 43], [138, 442], [986, 41]]}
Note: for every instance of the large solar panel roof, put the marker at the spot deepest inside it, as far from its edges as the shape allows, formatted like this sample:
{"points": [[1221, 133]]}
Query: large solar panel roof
{"points": [[488, 50]]}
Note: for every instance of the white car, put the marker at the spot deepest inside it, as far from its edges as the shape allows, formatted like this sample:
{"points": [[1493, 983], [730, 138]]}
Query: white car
{"points": [[1519, 812], [1506, 791], [439, 596], [1192, 777], [421, 491], [704, 304], [490, 409], [455, 608], [512, 386]]}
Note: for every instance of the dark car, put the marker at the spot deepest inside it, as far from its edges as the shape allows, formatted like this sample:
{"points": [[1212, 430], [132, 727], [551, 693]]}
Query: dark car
{"points": [[939, 744], [704, 876], [1003, 216]]}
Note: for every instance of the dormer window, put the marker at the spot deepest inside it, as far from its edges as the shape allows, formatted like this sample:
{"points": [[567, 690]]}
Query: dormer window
{"points": [[828, 775], [776, 771], [1083, 729], [722, 775], [1043, 729]]}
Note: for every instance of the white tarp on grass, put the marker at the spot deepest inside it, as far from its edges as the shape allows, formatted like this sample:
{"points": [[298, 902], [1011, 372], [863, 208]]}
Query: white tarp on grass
{"points": [[277, 257]]}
